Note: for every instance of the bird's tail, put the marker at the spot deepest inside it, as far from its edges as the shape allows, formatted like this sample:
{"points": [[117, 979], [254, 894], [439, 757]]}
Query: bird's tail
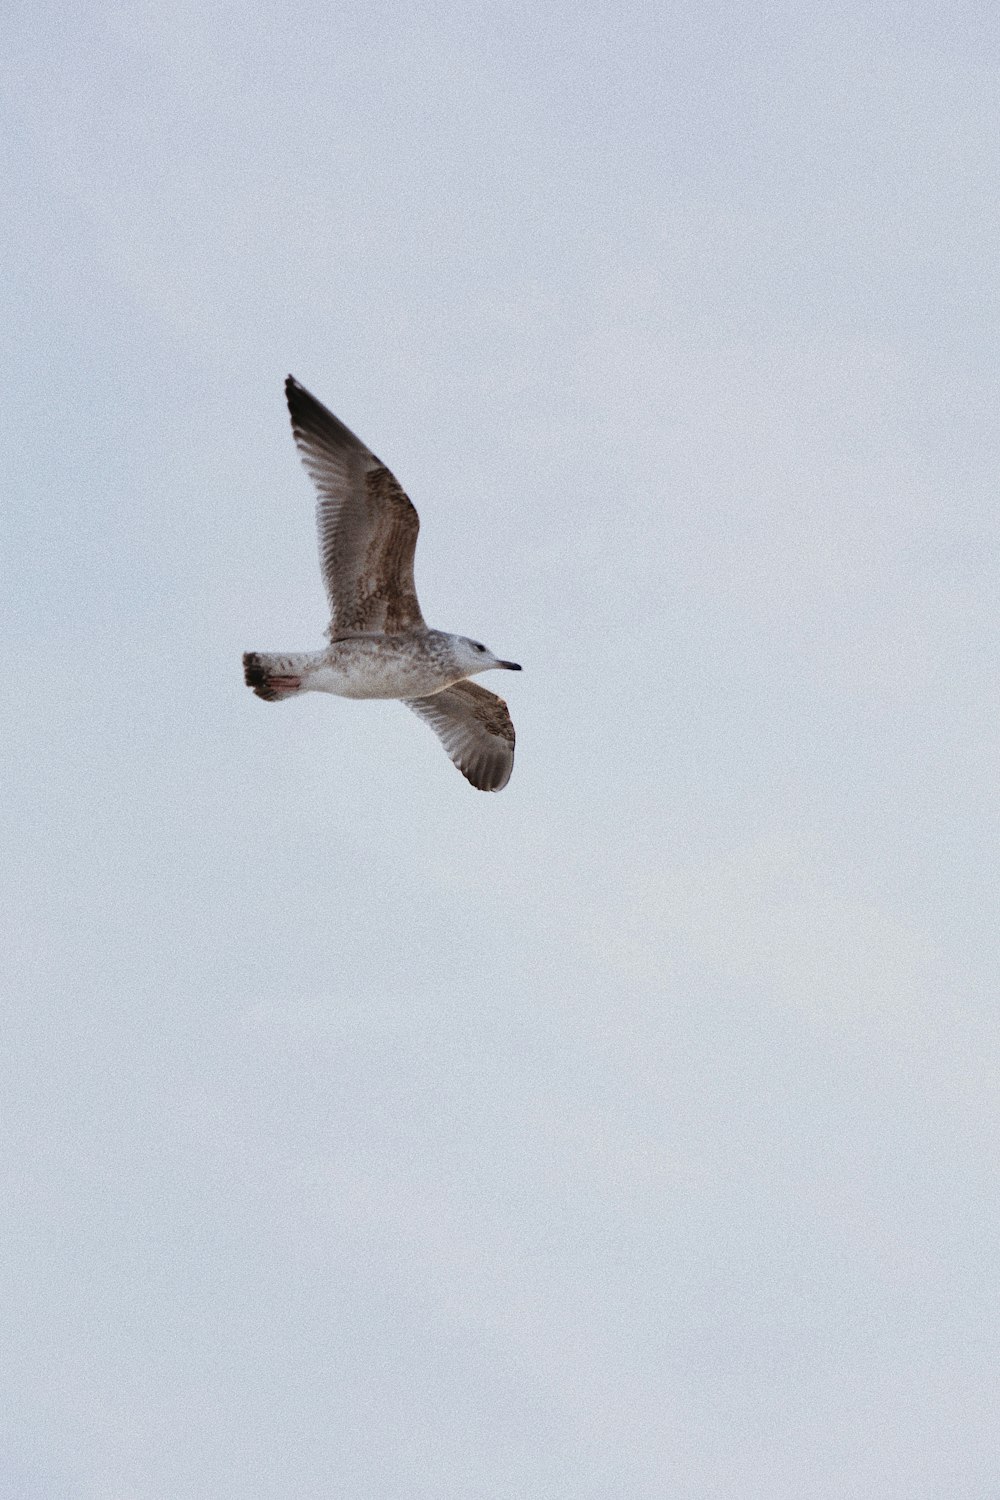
{"points": [[273, 677]]}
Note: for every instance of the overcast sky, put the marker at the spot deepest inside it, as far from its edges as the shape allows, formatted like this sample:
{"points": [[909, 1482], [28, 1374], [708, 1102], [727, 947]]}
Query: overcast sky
{"points": [[631, 1134]]}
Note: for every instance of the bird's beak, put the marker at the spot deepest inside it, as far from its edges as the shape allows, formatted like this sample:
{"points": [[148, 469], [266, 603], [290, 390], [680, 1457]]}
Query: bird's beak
{"points": [[512, 666]]}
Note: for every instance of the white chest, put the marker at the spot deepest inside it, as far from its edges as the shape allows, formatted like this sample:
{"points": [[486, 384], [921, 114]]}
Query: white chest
{"points": [[366, 669]]}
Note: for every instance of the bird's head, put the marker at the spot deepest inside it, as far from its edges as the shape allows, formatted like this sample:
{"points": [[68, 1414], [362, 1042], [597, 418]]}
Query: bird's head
{"points": [[475, 657]]}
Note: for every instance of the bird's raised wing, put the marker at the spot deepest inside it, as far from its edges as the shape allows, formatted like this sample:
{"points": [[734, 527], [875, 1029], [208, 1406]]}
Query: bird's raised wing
{"points": [[475, 729], [367, 525]]}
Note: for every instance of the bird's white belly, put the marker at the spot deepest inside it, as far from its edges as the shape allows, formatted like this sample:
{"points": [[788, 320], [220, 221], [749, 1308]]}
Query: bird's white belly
{"points": [[362, 670]]}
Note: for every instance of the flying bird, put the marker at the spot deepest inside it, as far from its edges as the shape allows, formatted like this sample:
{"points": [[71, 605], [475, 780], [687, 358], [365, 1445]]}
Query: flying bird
{"points": [[380, 646]]}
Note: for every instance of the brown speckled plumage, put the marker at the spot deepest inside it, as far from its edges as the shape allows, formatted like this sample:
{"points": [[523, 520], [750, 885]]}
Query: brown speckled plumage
{"points": [[475, 729], [380, 646]]}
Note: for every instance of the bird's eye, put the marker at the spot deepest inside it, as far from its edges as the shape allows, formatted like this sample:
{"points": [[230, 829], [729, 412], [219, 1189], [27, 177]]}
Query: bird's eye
{"points": [[478, 646]]}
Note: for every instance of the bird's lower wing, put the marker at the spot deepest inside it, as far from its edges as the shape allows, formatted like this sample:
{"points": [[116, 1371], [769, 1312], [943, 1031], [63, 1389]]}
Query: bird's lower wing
{"points": [[475, 729]]}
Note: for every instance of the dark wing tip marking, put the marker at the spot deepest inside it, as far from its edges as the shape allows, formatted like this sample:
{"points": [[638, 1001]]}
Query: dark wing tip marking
{"points": [[293, 394], [315, 425], [488, 774]]}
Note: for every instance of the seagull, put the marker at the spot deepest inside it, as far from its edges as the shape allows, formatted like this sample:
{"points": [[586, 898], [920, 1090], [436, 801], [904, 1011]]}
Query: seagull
{"points": [[380, 646]]}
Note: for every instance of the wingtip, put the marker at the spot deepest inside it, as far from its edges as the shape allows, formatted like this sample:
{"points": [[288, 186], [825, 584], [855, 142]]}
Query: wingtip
{"points": [[296, 398]]}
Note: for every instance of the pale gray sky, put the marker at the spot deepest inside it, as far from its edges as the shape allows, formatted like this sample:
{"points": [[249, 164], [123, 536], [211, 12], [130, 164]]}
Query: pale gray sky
{"points": [[632, 1133]]}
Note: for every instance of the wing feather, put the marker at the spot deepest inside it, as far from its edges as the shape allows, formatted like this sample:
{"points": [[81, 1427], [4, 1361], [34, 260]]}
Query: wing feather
{"points": [[475, 728], [367, 525]]}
